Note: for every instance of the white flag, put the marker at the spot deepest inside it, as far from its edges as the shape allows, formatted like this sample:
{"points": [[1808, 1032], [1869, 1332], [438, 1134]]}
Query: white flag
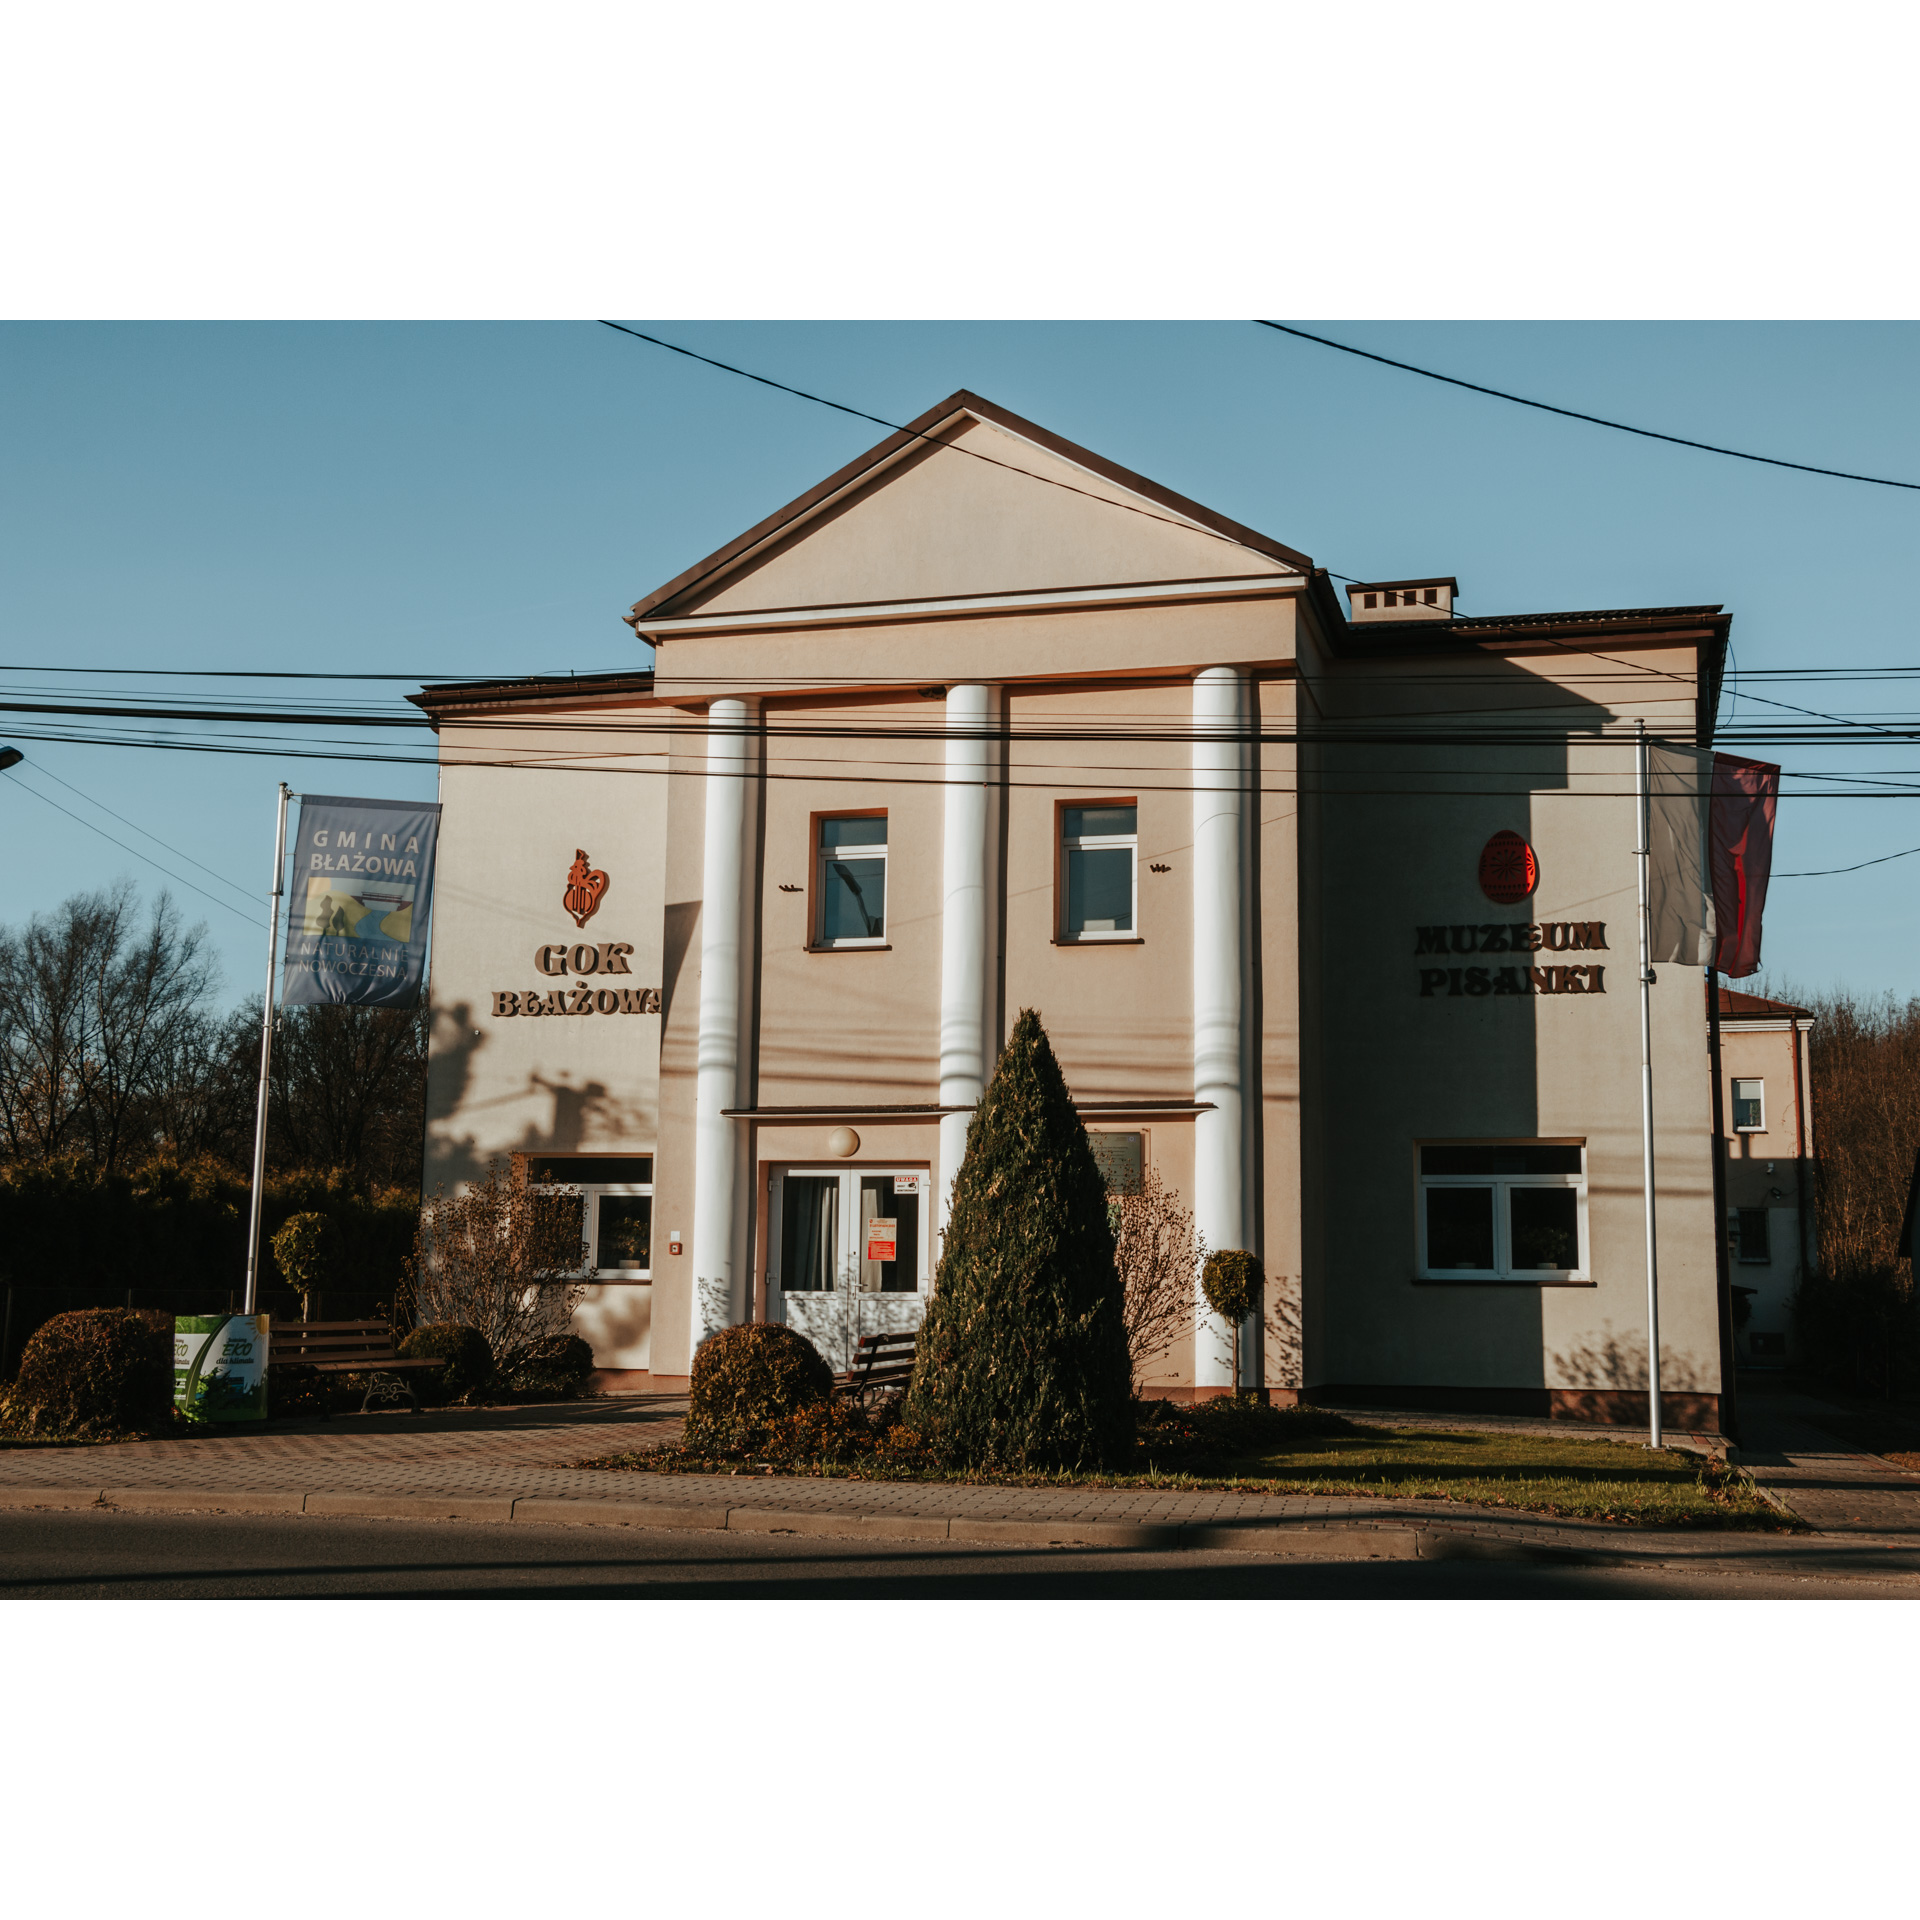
{"points": [[1679, 876]]}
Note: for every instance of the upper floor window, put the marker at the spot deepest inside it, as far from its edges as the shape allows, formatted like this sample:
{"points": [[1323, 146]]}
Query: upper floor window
{"points": [[1749, 1106], [850, 885], [1098, 848]]}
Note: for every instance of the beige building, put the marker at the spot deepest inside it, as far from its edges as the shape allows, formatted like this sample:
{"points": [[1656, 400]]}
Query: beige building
{"points": [[1766, 1111], [1329, 910]]}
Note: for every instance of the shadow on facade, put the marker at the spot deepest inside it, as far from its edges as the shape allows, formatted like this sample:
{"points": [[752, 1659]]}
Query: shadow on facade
{"points": [[1448, 1053]]}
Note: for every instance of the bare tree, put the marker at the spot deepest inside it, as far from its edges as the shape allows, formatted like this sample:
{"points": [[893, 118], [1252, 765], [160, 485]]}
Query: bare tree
{"points": [[97, 1015], [504, 1258], [1158, 1251], [1856, 1313], [1865, 1061], [349, 1089]]}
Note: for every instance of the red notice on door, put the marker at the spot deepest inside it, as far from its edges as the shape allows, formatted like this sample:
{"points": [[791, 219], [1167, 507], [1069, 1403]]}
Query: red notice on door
{"points": [[882, 1236]]}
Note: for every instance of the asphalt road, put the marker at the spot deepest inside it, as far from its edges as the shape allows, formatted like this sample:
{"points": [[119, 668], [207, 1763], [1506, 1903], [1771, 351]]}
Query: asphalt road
{"points": [[135, 1556]]}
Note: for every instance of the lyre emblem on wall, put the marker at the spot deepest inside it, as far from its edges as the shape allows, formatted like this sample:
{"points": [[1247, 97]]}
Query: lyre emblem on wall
{"points": [[585, 885]]}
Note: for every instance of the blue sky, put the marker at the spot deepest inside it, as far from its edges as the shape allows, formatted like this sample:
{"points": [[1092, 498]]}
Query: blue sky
{"points": [[486, 498]]}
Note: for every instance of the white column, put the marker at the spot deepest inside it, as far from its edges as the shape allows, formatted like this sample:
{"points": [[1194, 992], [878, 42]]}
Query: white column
{"points": [[968, 921], [1222, 994], [733, 762]]}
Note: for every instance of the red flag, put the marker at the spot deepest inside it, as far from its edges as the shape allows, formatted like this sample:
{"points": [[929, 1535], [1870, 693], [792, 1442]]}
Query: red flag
{"points": [[1744, 796]]}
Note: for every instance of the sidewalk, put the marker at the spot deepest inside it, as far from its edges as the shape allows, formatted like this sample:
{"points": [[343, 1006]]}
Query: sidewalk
{"points": [[1835, 1490], [515, 1464]]}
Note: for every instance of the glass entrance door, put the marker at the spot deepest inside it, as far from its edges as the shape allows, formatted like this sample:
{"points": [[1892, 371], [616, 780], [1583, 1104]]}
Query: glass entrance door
{"points": [[847, 1253]]}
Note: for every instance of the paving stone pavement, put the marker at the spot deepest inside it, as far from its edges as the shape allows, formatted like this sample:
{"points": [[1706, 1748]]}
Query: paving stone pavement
{"points": [[519, 1463], [1836, 1490]]}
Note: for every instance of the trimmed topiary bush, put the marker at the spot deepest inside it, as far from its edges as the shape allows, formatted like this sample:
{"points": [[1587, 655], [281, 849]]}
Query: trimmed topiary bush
{"points": [[1023, 1360], [469, 1359], [746, 1380], [308, 1252], [557, 1368], [1231, 1282], [95, 1374]]}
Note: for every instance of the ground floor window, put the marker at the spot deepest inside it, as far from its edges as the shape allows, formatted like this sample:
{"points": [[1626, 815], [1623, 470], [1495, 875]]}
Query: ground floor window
{"points": [[1750, 1237], [609, 1201], [855, 1231], [1502, 1210]]}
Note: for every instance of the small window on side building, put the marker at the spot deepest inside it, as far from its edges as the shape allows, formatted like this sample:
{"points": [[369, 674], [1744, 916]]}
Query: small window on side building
{"points": [[1749, 1106], [1753, 1244]]}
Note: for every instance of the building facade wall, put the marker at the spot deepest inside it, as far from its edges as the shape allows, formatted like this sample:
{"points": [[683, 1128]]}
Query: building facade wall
{"points": [[1769, 1171], [504, 1086], [1425, 1061], [1272, 1002]]}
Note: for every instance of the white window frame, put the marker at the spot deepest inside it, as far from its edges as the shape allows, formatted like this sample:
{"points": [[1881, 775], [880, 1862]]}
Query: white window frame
{"points": [[1503, 1269], [591, 1194], [1759, 1100], [823, 857], [1099, 843], [848, 1260]]}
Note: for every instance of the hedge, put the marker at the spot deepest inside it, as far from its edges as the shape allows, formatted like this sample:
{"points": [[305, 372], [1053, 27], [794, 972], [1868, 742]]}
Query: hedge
{"points": [[183, 1223]]}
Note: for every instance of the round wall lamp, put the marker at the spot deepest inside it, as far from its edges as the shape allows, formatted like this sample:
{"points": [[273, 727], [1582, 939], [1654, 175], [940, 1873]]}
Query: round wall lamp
{"points": [[843, 1143]]}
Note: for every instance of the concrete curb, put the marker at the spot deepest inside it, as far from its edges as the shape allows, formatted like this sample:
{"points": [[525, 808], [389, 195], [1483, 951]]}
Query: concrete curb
{"points": [[1339, 1540]]}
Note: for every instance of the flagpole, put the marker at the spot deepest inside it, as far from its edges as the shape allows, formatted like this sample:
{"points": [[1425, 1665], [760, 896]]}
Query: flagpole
{"points": [[266, 1058], [1644, 784]]}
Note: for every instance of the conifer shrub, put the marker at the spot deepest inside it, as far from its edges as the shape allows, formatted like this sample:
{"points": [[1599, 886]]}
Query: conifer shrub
{"points": [[95, 1374], [469, 1360], [1022, 1362], [747, 1380]]}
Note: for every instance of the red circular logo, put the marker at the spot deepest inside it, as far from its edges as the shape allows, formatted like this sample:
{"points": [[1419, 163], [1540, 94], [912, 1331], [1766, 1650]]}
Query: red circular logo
{"points": [[1508, 870]]}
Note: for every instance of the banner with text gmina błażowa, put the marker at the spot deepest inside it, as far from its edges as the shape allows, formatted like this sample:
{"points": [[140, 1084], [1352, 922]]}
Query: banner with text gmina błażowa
{"points": [[362, 887]]}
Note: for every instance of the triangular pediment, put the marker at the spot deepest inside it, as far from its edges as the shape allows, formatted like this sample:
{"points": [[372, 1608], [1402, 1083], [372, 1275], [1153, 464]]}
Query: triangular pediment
{"points": [[968, 500]]}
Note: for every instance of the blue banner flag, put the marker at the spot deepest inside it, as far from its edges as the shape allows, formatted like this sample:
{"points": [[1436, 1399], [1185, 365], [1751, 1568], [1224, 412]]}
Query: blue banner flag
{"points": [[362, 887]]}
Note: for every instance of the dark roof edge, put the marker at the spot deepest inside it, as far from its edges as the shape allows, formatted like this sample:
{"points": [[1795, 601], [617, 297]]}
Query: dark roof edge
{"points": [[449, 696], [962, 401], [1484, 622], [1759, 1007], [1618, 624]]}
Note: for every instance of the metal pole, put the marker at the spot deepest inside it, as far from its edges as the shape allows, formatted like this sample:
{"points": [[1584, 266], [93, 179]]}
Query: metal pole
{"points": [[266, 1058], [1644, 783]]}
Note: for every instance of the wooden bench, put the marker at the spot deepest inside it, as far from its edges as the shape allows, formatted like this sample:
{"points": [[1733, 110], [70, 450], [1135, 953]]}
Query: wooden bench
{"points": [[879, 1360], [344, 1346]]}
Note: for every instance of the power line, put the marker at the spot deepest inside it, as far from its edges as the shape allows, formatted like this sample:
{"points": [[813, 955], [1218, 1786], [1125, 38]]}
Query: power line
{"points": [[258, 673], [949, 446], [892, 426], [177, 852], [146, 859], [1342, 786], [1821, 873], [1592, 419]]}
